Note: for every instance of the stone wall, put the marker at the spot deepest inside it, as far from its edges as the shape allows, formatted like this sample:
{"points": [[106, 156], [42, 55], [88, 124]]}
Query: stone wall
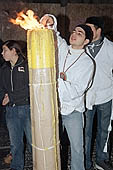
{"points": [[68, 16]]}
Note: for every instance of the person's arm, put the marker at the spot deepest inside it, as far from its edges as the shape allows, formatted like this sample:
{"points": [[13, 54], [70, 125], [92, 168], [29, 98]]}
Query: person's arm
{"points": [[50, 22], [5, 100], [2, 94], [110, 51], [2, 90]]}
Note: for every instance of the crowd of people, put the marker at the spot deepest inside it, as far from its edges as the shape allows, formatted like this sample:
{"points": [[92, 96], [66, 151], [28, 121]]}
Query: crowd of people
{"points": [[85, 88]]}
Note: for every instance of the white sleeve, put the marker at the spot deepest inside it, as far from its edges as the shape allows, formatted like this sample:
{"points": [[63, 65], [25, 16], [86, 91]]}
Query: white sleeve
{"points": [[54, 26], [60, 40]]}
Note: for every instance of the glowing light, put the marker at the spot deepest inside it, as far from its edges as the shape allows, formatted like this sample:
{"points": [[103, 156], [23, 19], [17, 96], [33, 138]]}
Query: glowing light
{"points": [[27, 21]]}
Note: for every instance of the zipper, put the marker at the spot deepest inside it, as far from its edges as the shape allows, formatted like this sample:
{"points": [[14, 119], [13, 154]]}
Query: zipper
{"points": [[12, 88], [12, 79]]}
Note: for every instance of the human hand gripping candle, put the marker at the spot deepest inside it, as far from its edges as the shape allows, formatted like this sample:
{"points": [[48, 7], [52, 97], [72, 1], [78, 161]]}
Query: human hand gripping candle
{"points": [[43, 96], [47, 21]]}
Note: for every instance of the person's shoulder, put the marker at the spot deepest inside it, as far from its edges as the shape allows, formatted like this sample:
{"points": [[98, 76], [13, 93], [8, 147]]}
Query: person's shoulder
{"points": [[23, 60], [5, 65], [4, 69], [108, 46], [108, 42], [25, 63]]}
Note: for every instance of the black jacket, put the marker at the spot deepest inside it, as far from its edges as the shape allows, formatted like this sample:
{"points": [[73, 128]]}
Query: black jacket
{"points": [[15, 82]]}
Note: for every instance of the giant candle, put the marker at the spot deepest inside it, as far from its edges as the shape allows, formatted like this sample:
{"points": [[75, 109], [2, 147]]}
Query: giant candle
{"points": [[43, 95]]}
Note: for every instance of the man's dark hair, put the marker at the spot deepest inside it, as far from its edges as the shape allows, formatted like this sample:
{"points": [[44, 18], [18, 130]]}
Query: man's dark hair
{"points": [[97, 21], [88, 31]]}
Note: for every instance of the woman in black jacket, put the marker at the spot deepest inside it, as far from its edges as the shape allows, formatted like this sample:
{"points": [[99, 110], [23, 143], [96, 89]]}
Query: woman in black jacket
{"points": [[14, 93]]}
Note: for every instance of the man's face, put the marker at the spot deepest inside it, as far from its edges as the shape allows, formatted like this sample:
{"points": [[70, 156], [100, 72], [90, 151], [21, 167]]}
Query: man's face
{"points": [[96, 32], [77, 38]]}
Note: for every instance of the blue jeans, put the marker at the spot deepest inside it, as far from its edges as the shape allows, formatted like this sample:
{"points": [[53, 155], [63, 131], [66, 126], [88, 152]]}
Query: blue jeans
{"points": [[103, 119], [18, 122], [74, 126]]}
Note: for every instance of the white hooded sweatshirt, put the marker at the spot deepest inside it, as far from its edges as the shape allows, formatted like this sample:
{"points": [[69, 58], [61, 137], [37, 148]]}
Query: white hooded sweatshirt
{"points": [[102, 88], [71, 91]]}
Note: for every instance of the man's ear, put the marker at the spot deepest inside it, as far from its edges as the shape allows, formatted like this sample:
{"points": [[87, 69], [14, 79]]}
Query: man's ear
{"points": [[86, 42], [14, 50], [99, 30]]}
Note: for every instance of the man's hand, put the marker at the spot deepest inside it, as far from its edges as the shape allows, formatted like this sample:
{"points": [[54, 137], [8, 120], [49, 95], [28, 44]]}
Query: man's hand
{"points": [[5, 100], [47, 21]]}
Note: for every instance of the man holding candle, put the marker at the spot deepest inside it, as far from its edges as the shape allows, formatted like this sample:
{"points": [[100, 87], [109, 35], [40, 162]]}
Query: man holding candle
{"points": [[76, 70]]}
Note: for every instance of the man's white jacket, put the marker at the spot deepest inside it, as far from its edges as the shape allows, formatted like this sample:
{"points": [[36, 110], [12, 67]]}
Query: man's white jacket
{"points": [[71, 91], [102, 88]]}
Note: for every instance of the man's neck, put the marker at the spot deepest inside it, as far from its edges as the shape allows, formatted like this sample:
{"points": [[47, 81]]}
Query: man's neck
{"points": [[77, 47], [96, 41]]}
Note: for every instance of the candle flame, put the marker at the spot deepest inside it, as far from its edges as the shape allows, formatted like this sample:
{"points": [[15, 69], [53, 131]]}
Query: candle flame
{"points": [[27, 21]]}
